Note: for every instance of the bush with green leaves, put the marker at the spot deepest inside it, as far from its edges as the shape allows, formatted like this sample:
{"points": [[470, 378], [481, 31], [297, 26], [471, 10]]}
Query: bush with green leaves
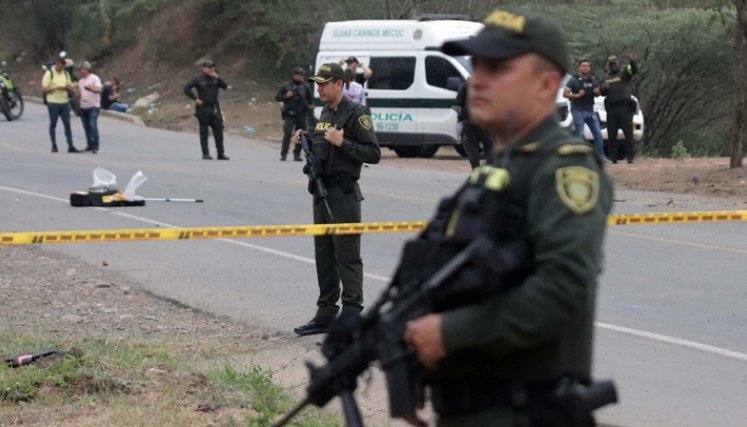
{"points": [[679, 151]]}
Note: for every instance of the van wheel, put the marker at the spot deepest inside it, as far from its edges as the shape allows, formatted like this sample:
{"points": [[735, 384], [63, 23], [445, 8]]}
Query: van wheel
{"points": [[407, 151], [460, 149], [428, 151]]}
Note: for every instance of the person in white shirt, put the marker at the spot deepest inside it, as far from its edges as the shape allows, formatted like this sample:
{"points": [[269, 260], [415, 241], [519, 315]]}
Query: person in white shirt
{"points": [[89, 89], [353, 91]]}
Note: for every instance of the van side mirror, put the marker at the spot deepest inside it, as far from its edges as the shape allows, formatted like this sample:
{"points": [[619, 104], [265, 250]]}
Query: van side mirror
{"points": [[453, 83]]}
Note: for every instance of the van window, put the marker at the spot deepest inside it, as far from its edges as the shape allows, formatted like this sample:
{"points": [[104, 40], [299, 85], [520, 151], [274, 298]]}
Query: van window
{"points": [[438, 70], [392, 73]]}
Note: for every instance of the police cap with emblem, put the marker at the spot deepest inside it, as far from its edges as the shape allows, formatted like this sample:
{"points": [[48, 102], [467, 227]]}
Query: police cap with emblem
{"points": [[328, 72], [510, 33]]}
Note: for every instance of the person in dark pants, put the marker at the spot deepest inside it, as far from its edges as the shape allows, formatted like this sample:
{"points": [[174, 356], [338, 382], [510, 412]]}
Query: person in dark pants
{"points": [[342, 140], [89, 90], [297, 99], [501, 357], [207, 108], [619, 104], [472, 136], [581, 90], [56, 86]]}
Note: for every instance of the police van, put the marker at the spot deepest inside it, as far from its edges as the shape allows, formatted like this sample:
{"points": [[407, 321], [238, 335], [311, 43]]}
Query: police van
{"points": [[409, 94]]}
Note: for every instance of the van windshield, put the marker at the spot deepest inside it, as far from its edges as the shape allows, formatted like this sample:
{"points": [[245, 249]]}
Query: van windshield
{"points": [[466, 62]]}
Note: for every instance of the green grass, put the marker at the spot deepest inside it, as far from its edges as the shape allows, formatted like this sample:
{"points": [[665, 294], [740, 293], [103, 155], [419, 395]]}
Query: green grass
{"points": [[144, 382]]}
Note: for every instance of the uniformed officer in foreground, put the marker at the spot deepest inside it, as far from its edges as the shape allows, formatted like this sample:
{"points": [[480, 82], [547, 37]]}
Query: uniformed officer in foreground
{"points": [[207, 108], [495, 361], [343, 139]]}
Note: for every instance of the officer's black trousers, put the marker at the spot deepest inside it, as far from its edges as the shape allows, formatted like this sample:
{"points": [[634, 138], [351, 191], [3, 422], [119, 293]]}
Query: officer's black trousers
{"points": [[290, 124], [620, 117], [210, 117], [338, 257]]}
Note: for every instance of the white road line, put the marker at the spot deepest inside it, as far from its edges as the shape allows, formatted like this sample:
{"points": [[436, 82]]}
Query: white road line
{"points": [[163, 224], [622, 329], [674, 341]]}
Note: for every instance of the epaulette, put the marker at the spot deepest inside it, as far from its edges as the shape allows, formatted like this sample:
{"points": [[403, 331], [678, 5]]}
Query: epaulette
{"points": [[570, 149]]}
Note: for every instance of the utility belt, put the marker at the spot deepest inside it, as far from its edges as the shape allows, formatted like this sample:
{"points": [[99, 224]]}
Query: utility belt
{"points": [[345, 181], [619, 103], [464, 396], [206, 107], [565, 402]]}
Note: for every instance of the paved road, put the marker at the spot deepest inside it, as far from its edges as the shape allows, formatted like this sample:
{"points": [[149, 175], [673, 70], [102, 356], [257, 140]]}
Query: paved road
{"points": [[672, 304]]}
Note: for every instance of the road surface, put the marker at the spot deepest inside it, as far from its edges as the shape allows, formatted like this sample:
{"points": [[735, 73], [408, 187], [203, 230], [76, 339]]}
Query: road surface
{"points": [[672, 314]]}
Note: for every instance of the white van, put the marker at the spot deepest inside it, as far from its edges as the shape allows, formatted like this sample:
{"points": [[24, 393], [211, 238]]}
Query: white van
{"points": [[408, 95]]}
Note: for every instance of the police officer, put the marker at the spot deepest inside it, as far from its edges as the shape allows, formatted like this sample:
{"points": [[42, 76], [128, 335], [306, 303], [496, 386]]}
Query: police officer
{"points": [[497, 360], [472, 136], [619, 103], [207, 108], [296, 97], [342, 140]]}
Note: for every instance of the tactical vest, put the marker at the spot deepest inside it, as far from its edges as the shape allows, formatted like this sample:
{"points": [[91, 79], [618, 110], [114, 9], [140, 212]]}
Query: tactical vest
{"points": [[493, 203], [334, 162]]}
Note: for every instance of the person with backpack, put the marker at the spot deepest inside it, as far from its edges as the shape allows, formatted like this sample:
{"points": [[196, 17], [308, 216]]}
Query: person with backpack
{"points": [[57, 86]]}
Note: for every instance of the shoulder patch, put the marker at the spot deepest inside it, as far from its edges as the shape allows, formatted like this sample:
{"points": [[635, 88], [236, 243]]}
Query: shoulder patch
{"points": [[365, 121], [528, 148], [578, 188], [569, 149]]}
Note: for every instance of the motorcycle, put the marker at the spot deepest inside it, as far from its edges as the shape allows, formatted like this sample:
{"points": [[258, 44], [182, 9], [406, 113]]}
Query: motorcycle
{"points": [[11, 101]]}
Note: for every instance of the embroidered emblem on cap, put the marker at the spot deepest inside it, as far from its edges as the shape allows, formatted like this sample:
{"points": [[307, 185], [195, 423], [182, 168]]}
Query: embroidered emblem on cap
{"points": [[507, 20]]}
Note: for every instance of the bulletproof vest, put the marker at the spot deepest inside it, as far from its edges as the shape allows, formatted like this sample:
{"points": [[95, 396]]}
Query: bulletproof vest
{"points": [[620, 87], [333, 160], [297, 104], [492, 203]]}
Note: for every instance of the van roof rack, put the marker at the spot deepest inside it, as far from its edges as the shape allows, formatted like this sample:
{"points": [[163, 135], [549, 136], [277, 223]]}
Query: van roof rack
{"points": [[441, 17]]}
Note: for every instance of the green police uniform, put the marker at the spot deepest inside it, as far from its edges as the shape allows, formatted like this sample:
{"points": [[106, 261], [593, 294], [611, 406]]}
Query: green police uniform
{"points": [[540, 328], [507, 350], [338, 257]]}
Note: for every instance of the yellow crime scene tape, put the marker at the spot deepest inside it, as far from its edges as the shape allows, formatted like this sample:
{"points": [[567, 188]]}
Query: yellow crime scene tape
{"points": [[676, 217], [242, 232], [125, 235]]}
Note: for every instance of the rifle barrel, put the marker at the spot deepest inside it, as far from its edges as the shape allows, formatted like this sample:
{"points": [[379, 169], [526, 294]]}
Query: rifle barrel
{"points": [[292, 413]]}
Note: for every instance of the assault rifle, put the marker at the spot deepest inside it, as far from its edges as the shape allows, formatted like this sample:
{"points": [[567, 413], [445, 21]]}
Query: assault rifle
{"points": [[357, 341], [313, 169]]}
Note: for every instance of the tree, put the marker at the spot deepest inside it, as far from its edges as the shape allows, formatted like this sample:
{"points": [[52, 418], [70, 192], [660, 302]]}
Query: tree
{"points": [[739, 124]]}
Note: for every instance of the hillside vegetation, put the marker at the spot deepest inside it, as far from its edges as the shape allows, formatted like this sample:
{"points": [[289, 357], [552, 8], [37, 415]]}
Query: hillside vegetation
{"points": [[684, 47]]}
